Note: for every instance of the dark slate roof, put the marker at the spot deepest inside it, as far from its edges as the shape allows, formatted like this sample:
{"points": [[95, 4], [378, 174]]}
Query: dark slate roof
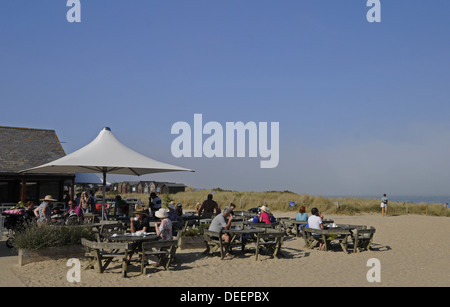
{"points": [[22, 148]]}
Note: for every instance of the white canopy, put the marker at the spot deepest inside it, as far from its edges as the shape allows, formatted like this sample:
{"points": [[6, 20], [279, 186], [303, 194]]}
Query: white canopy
{"points": [[105, 154]]}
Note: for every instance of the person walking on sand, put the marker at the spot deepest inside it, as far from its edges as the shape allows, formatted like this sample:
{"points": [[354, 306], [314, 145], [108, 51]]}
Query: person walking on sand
{"points": [[384, 205]]}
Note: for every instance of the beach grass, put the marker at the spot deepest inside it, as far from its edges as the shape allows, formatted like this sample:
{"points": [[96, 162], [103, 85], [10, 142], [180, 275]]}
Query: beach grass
{"points": [[279, 201]]}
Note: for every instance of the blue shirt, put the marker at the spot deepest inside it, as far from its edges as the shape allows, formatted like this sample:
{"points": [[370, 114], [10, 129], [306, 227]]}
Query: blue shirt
{"points": [[302, 217]]}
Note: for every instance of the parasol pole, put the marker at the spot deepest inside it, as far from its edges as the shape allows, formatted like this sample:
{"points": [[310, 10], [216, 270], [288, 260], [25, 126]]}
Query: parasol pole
{"points": [[104, 195]]}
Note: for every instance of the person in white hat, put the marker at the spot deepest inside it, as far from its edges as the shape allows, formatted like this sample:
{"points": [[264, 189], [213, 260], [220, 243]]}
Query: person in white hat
{"points": [[164, 228], [44, 212]]}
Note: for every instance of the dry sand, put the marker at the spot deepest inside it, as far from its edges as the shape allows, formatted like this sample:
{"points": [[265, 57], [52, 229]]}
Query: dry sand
{"points": [[413, 251]]}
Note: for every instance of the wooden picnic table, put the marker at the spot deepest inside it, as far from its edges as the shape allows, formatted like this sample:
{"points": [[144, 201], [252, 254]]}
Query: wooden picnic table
{"points": [[267, 237], [313, 236], [340, 233], [265, 225], [291, 224], [131, 238], [214, 240], [245, 236]]}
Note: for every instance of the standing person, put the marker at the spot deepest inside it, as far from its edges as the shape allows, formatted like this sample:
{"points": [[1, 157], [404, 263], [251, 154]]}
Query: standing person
{"points": [[92, 201], [384, 205], [44, 212], [163, 228], [208, 207], [315, 222], [154, 202], [84, 202], [29, 212]]}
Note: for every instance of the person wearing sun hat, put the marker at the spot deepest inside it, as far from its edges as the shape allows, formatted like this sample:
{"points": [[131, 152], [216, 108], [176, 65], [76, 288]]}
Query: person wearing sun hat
{"points": [[44, 212], [140, 222], [163, 228]]}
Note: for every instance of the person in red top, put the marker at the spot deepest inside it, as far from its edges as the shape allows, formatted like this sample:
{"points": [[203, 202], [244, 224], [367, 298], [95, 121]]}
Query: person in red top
{"points": [[264, 216]]}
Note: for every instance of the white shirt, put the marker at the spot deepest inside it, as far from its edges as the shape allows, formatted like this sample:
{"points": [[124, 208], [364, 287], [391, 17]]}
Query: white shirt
{"points": [[314, 222]]}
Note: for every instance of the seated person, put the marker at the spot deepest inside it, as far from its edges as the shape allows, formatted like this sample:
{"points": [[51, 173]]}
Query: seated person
{"points": [[173, 216], [301, 216], [140, 222], [220, 222], [264, 216], [315, 222], [179, 209], [164, 228], [74, 209], [57, 215]]}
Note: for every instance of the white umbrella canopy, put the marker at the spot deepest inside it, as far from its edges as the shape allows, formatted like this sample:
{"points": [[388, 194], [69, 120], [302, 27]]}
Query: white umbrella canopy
{"points": [[105, 154]]}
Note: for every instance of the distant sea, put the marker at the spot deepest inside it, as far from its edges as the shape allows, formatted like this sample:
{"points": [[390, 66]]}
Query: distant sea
{"points": [[410, 199]]}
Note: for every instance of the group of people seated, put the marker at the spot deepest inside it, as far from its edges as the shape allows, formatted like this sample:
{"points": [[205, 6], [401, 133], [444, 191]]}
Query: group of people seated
{"points": [[224, 218], [315, 221]]}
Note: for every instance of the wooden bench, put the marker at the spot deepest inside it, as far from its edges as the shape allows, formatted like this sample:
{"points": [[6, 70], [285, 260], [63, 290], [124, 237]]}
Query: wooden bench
{"points": [[103, 253], [272, 240], [362, 239], [314, 236], [213, 241], [164, 249]]}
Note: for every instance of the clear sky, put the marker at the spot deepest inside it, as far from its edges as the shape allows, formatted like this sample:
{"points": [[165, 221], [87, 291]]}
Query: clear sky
{"points": [[363, 108]]}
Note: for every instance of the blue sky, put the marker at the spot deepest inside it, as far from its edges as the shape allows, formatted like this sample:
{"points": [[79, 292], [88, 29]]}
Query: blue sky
{"points": [[363, 107]]}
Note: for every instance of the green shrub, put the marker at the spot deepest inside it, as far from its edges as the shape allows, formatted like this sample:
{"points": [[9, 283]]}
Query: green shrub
{"points": [[39, 237], [196, 231]]}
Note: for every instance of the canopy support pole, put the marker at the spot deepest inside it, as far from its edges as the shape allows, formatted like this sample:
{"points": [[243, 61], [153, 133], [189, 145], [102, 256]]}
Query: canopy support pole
{"points": [[104, 196]]}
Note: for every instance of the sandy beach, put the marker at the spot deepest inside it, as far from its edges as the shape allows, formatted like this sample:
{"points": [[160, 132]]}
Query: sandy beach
{"points": [[413, 251]]}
